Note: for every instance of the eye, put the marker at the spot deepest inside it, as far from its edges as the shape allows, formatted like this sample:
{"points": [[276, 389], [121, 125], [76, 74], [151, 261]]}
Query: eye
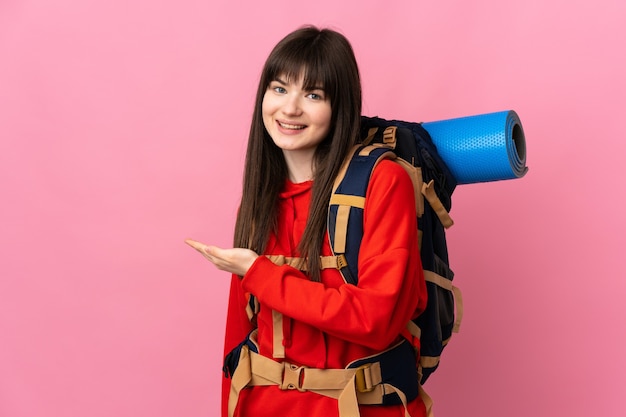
{"points": [[279, 89], [316, 96]]}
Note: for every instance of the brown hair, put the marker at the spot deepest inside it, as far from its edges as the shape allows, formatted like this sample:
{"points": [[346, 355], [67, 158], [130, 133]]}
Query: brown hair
{"points": [[324, 58]]}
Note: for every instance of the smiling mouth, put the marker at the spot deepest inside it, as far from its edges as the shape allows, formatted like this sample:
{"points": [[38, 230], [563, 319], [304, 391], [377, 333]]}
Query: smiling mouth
{"points": [[290, 126]]}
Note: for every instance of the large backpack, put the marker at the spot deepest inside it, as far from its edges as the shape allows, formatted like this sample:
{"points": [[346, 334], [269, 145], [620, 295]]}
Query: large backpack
{"points": [[410, 145]]}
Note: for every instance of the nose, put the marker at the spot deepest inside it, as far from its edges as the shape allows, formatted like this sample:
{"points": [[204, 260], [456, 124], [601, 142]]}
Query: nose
{"points": [[292, 106]]}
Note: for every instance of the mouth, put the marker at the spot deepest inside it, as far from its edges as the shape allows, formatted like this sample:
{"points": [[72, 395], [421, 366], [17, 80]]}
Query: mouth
{"points": [[290, 126]]}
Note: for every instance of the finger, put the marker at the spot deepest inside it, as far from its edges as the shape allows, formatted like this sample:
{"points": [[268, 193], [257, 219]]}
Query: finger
{"points": [[218, 253], [202, 248], [195, 244], [221, 258]]}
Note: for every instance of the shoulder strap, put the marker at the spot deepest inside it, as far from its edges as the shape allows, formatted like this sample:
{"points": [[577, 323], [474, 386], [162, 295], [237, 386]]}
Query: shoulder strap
{"points": [[347, 202]]}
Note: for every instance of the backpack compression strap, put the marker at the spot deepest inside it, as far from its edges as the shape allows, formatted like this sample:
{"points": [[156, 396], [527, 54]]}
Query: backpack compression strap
{"points": [[347, 202]]}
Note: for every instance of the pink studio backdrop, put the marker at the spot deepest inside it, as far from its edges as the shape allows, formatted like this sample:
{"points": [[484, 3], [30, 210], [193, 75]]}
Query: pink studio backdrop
{"points": [[122, 132]]}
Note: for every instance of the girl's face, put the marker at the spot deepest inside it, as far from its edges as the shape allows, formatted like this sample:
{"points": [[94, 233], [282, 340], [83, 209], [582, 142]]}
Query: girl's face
{"points": [[298, 120]]}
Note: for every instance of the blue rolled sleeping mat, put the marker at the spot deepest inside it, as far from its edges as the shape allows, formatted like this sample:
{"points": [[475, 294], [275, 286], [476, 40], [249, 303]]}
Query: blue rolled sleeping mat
{"points": [[481, 148]]}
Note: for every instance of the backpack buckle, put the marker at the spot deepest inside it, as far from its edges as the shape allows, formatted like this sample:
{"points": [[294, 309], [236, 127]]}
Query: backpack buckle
{"points": [[342, 262], [292, 377], [363, 378]]}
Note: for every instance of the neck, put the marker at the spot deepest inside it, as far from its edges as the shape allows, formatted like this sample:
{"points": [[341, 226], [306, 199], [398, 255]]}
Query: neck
{"points": [[299, 166]]}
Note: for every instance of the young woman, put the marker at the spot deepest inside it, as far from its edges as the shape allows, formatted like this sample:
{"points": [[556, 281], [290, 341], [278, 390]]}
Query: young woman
{"points": [[297, 353]]}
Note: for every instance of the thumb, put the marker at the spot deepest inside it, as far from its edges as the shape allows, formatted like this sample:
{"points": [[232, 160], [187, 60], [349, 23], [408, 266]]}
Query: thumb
{"points": [[214, 250]]}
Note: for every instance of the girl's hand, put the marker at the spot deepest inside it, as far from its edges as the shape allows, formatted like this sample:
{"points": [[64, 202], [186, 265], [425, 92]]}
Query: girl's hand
{"points": [[235, 260]]}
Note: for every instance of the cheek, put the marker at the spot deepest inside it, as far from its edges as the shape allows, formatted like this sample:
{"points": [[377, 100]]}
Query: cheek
{"points": [[324, 118], [266, 110], [265, 105]]}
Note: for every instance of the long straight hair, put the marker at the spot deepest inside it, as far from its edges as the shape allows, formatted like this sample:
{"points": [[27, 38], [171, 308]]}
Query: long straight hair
{"points": [[322, 57]]}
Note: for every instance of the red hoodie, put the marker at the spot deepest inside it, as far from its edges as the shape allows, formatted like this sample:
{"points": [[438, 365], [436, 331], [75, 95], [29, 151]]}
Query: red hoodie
{"points": [[329, 324]]}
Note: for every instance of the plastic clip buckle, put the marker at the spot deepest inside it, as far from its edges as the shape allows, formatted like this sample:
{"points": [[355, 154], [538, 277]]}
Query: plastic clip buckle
{"points": [[292, 377]]}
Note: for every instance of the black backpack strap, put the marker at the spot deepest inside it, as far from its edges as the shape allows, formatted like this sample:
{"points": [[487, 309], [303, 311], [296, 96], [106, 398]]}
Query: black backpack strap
{"points": [[346, 206]]}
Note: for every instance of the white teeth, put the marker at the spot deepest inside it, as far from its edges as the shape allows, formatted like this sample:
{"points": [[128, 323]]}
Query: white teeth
{"points": [[292, 127]]}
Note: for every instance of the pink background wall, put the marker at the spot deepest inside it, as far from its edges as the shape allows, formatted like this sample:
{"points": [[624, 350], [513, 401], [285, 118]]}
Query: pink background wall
{"points": [[122, 132]]}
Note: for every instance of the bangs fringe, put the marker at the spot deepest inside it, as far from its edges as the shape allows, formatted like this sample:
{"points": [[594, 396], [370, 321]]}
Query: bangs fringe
{"points": [[307, 63]]}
